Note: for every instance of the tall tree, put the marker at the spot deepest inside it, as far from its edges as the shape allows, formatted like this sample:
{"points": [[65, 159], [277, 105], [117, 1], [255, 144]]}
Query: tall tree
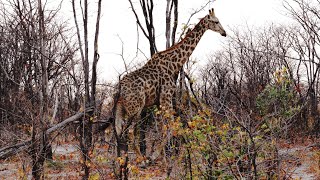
{"points": [[90, 89], [171, 33], [148, 30], [306, 43]]}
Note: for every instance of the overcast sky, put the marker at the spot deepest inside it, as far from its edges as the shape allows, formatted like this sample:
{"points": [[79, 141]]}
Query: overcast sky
{"points": [[119, 21]]}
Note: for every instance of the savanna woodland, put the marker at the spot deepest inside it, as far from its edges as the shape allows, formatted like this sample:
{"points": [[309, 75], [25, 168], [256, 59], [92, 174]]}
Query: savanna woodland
{"points": [[252, 112]]}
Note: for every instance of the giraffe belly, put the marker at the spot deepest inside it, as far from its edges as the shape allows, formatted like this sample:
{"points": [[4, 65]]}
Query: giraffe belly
{"points": [[150, 90], [151, 96], [151, 100]]}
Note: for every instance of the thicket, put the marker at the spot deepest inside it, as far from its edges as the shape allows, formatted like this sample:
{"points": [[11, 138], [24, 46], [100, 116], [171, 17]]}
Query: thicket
{"points": [[263, 86]]}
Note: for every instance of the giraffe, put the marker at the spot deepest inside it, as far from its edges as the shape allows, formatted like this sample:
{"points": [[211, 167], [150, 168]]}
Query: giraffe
{"points": [[154, 83]]}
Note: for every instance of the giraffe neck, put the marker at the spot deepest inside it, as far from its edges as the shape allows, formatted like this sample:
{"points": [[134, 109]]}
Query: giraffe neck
{"points": [[190, 42], [178, 54], [187, 46]]}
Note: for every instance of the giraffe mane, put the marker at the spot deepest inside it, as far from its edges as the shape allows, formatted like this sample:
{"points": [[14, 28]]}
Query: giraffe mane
{"points": [[185, 37]]}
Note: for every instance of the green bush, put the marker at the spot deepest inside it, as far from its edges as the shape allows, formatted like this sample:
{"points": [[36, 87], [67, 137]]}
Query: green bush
{"points": [[278, 103]]}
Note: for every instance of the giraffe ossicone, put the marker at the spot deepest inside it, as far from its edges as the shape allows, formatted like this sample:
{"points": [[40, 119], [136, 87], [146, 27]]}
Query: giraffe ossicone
{"points": [[155, 82]]}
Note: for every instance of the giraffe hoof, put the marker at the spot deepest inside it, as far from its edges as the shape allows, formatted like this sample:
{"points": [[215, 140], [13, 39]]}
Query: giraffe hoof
{"points": [[143, 165], [146, 162]]}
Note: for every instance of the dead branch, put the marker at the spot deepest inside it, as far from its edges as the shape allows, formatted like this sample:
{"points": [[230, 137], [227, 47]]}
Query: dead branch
{"points": [[193, 93], [149, 31], [69, 120], [11, 150], [8, 151]]}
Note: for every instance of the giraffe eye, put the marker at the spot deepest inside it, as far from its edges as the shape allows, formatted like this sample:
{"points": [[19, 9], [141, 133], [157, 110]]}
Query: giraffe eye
{"points": [[216, 22]]}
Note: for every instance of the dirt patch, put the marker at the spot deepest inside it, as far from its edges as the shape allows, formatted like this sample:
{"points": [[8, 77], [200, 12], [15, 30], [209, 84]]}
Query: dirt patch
{"points": [[298, 162]]}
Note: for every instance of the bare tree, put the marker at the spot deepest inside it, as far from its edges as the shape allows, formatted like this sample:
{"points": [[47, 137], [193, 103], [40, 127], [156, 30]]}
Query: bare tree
{"points": [[39, 138], [171, 33], [306, 41], [90, 89], [149, 30], [35, 55]]}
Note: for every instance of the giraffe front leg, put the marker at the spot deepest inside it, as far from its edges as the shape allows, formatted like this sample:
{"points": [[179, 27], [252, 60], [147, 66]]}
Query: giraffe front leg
{"points": [[167, 131], [168, 112]]}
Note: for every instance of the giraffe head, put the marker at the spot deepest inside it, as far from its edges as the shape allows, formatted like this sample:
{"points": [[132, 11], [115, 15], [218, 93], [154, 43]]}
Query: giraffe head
{"points": [[213, 23]]}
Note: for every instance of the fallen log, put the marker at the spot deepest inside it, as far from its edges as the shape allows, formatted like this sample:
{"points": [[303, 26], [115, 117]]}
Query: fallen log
{"points": [[67, 121], [11, 150], [8, 151]]}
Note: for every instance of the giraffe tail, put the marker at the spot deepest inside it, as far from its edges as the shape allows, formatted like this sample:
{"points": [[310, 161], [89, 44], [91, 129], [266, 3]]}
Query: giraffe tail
{"points": [[115, 119], [118, 121]]}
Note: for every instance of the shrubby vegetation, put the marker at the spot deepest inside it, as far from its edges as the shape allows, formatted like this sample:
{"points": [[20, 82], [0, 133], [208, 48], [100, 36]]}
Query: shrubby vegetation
{"points": [[262, 87]]}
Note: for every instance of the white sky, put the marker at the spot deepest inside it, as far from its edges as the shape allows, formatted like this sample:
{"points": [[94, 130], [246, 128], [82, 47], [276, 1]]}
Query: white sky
{"points": [[118, 20]]}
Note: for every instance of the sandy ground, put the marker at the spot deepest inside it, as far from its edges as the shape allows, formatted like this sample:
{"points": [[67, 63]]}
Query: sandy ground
{"points": [[295, 161]]}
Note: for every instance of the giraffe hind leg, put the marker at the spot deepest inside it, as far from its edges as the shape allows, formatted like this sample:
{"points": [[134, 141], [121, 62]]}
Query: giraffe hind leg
{"points": [[120, 126], [134, 137]]}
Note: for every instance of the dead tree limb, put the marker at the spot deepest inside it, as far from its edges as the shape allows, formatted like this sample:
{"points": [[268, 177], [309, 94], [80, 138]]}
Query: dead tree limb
{"points": [[11, 150], [8, 151], [67, 121]]}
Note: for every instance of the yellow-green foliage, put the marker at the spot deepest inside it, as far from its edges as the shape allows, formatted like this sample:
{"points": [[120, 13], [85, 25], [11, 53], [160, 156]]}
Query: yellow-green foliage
{"points": [[220, 149]]}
